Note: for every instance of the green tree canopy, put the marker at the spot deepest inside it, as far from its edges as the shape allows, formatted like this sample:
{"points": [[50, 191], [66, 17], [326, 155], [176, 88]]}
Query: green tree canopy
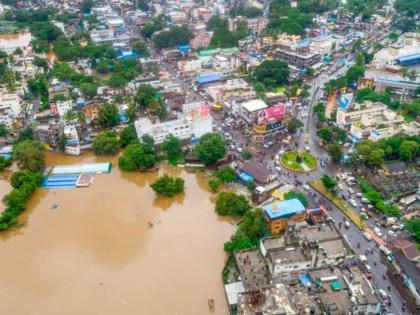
{"points": [[168, 186], [328, 182], [106, 143], [176, 35], [229, 203], [108, 115], [136, 157], [272, 73], [413, 226], [250, 231], [29, 155], [173, 148], [128, 135], [210, 148], [226, 174], [293, 124], [335, 152]]}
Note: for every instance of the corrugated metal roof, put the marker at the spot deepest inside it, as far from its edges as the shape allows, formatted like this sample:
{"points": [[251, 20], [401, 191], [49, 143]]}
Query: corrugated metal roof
{"points": [[283, 209], [408, 58]]}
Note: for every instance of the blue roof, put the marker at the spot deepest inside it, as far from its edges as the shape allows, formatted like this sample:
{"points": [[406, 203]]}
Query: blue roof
{"points": [[408, 58], [207, 78], [283, 209]]}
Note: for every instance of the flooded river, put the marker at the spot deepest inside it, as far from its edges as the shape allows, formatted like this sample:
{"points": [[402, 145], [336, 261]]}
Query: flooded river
{"points": [[114, 248]]}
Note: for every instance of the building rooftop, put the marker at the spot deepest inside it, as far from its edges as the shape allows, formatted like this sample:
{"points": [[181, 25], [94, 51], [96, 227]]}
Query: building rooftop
{"points": [[319, 233], [289, 255], [254, 105], [273, 300], [283, 209], [253, 269], [260, 173]]}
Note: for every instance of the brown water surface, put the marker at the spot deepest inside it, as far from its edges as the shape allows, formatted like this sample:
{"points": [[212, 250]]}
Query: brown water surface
{"points": [[99, 253]]}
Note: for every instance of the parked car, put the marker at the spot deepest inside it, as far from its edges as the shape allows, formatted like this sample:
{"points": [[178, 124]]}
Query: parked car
{"points": [[306, 187], [359, 195], [353, 202]]}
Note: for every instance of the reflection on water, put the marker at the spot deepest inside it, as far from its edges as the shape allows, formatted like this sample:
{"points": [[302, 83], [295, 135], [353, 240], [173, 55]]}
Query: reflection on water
{"points": [[110, 249]]}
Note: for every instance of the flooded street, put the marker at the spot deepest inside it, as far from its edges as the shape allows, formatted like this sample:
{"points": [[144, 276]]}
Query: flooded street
{"points": [[114, 248]]}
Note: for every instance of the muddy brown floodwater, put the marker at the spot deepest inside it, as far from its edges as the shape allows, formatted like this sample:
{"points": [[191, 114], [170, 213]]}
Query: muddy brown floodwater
{"points": [[98, 254]]}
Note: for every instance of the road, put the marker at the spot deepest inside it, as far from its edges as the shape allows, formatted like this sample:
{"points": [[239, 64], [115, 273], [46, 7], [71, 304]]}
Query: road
{"points": [[352, 234]]}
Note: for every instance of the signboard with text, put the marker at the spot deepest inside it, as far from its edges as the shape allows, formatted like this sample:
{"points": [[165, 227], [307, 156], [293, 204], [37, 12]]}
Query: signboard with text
{"points": [[271, 114]]}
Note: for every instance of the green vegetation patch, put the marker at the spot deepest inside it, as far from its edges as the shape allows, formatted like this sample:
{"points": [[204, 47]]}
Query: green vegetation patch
{"points": [[299, 161]]}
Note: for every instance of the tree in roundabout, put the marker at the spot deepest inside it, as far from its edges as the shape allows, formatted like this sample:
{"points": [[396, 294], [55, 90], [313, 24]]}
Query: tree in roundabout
{"points": [[299, 161]]}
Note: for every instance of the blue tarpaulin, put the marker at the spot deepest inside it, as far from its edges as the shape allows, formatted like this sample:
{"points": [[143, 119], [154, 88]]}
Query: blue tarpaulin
{"points": [[245, 177]]}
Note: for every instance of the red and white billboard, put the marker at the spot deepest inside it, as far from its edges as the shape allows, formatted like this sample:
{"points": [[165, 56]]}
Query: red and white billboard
{"points": [[271, 114]]}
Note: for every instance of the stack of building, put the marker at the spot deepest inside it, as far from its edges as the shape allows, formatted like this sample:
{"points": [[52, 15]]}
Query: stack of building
{"points": [[309, 270]]}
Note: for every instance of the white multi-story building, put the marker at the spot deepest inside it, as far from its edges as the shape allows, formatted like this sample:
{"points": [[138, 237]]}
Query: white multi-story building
{"points": [[10, 108], [194, 122], [72, 145], [374, 121]]}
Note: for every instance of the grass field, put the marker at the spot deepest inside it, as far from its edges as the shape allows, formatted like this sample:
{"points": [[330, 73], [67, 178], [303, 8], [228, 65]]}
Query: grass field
{"points": [[289, 160]]}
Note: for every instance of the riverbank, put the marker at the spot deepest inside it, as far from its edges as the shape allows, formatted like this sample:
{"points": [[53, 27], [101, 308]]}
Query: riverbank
{"points": [[115, 248]]}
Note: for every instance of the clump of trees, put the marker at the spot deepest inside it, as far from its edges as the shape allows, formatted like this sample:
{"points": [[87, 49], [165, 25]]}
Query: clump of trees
{"points": [[229, 203], [106, 143], [210, 148], [246, 11], [331, 135], [250, 231], [108, 115], [128, 135], [29, 155], [24, 184], [376, 199], [272, 73], [172, 146], [138, 156], [329, 183], [374, 154], [224, 38], [413, 226], [176, 35], [4, 163], [352, 75], [168, 186], [224, 175], [148, 97], [151, 27]]}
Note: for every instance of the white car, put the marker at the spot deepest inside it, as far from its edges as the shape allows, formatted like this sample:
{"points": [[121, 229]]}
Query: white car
{"points": [[306, 187], [377, 231], [391, 233], [351, 191], [353, 202], [367, 236]]}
